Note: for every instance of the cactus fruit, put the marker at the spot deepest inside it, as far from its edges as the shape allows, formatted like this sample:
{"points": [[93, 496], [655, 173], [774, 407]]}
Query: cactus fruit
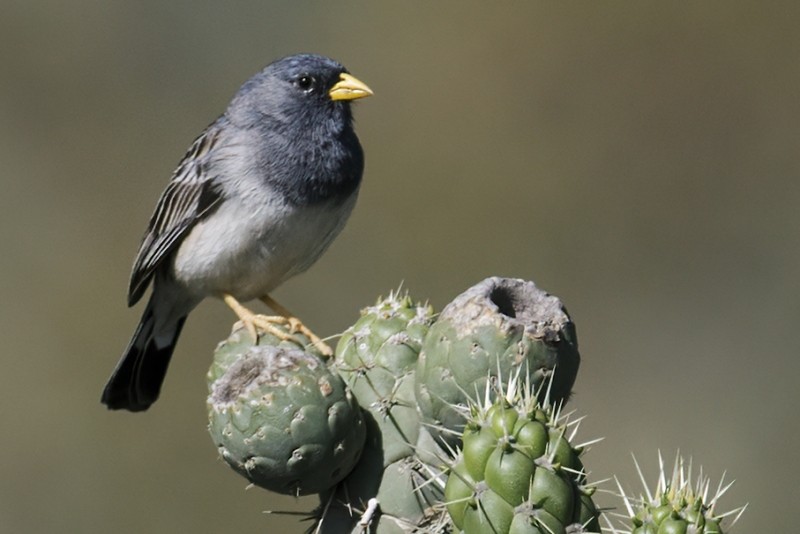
{"points": [[281, 418], [377, 358], [494, 328], [678, 505], [517, 471]]}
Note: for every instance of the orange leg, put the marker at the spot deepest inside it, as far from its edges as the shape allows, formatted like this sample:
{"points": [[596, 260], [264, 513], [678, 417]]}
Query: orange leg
{"points": [[267, 323]]}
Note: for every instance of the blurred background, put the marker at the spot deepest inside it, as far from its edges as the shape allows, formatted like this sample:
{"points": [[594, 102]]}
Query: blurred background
{"points": [[639, 160]]}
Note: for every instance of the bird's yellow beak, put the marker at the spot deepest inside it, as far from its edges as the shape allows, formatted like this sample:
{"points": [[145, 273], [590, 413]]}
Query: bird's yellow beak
{"points": [[349, 88]]}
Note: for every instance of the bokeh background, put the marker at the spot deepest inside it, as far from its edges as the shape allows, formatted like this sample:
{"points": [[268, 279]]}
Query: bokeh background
{"points": [[639, 160]]}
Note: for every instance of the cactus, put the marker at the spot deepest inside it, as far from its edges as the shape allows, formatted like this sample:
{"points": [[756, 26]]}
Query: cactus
{"points": [[678, 505], [517, 471], [425, 424], [281, 418], [494, 328], [377, 357]]}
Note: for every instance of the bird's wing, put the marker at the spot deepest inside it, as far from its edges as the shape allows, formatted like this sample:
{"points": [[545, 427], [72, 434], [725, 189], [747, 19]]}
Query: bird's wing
{"points": [[190, 196]]}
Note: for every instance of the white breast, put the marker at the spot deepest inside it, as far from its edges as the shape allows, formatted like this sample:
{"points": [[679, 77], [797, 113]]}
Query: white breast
{"points": [[249, 246]]}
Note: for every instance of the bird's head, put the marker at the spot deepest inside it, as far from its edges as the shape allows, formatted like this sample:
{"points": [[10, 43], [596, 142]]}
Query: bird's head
{"points": [[305, 90]]}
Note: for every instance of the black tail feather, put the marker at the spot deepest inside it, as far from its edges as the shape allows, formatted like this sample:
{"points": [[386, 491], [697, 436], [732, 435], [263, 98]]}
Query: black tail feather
{"points": [[136, 382]]}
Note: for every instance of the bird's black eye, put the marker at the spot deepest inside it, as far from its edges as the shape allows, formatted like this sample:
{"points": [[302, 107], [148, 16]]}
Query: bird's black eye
{"points": [[305, 82]]}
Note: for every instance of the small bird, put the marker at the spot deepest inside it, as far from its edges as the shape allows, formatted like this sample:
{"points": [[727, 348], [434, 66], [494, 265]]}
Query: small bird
{"points": [[257, 198]]}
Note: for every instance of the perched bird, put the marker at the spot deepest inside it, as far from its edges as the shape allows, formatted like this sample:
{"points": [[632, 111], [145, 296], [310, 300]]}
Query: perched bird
{"points": [[257, 198]]}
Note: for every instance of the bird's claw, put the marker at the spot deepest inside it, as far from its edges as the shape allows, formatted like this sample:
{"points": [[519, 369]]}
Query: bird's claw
{"points": [[267, 323], [271, 324]]}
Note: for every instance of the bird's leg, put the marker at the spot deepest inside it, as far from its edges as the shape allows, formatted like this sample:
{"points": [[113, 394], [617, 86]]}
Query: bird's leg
{"points": [[296, 325], [250, 320]]}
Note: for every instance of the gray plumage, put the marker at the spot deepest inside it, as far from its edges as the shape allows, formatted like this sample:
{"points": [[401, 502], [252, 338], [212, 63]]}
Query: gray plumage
{"points": [[257, 198]]}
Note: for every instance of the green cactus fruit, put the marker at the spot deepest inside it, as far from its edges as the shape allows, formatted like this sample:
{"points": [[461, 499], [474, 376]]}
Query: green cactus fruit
{"points": [[678, 505], [281, 418], [377, 358], [517, 471], [494, 329]]}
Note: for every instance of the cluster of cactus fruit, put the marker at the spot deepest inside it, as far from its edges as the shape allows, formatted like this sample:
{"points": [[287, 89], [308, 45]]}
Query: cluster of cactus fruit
{"points": [[426, 423], [680, 504]]}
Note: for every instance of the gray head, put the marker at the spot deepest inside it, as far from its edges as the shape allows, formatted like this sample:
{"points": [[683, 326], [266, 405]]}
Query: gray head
{"points": [[304, 90], [298, 108]]}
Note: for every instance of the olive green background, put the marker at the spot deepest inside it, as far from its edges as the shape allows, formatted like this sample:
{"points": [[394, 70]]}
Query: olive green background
{"points": [[639, 160]]}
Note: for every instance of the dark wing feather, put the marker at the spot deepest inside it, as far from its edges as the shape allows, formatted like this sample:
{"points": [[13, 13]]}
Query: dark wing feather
{"points": [[190, 195]]}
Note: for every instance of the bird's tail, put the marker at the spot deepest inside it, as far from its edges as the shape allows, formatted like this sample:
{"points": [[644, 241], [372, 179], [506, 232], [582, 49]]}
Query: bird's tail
{"points": [[136, 382]]}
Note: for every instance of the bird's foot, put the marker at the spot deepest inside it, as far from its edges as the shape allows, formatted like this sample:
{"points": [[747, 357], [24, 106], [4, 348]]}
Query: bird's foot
{"points": [[296, 326], [271, 324]]}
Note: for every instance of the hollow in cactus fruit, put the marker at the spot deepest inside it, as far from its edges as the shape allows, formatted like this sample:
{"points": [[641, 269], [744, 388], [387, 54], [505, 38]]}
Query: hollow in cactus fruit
{"points": [[239, 341], [679, 504], [491, 331], [518, 471], [281, 418]]}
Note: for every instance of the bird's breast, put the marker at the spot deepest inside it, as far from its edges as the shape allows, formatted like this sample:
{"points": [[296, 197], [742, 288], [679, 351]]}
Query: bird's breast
{"points": [[249, 246]]}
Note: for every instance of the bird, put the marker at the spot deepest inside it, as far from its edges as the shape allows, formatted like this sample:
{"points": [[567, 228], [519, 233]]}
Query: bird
{"points": [[258, 197]]}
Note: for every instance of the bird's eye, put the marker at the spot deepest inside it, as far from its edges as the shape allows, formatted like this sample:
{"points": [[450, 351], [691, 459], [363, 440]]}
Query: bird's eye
{"points": [[305, 82]]}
